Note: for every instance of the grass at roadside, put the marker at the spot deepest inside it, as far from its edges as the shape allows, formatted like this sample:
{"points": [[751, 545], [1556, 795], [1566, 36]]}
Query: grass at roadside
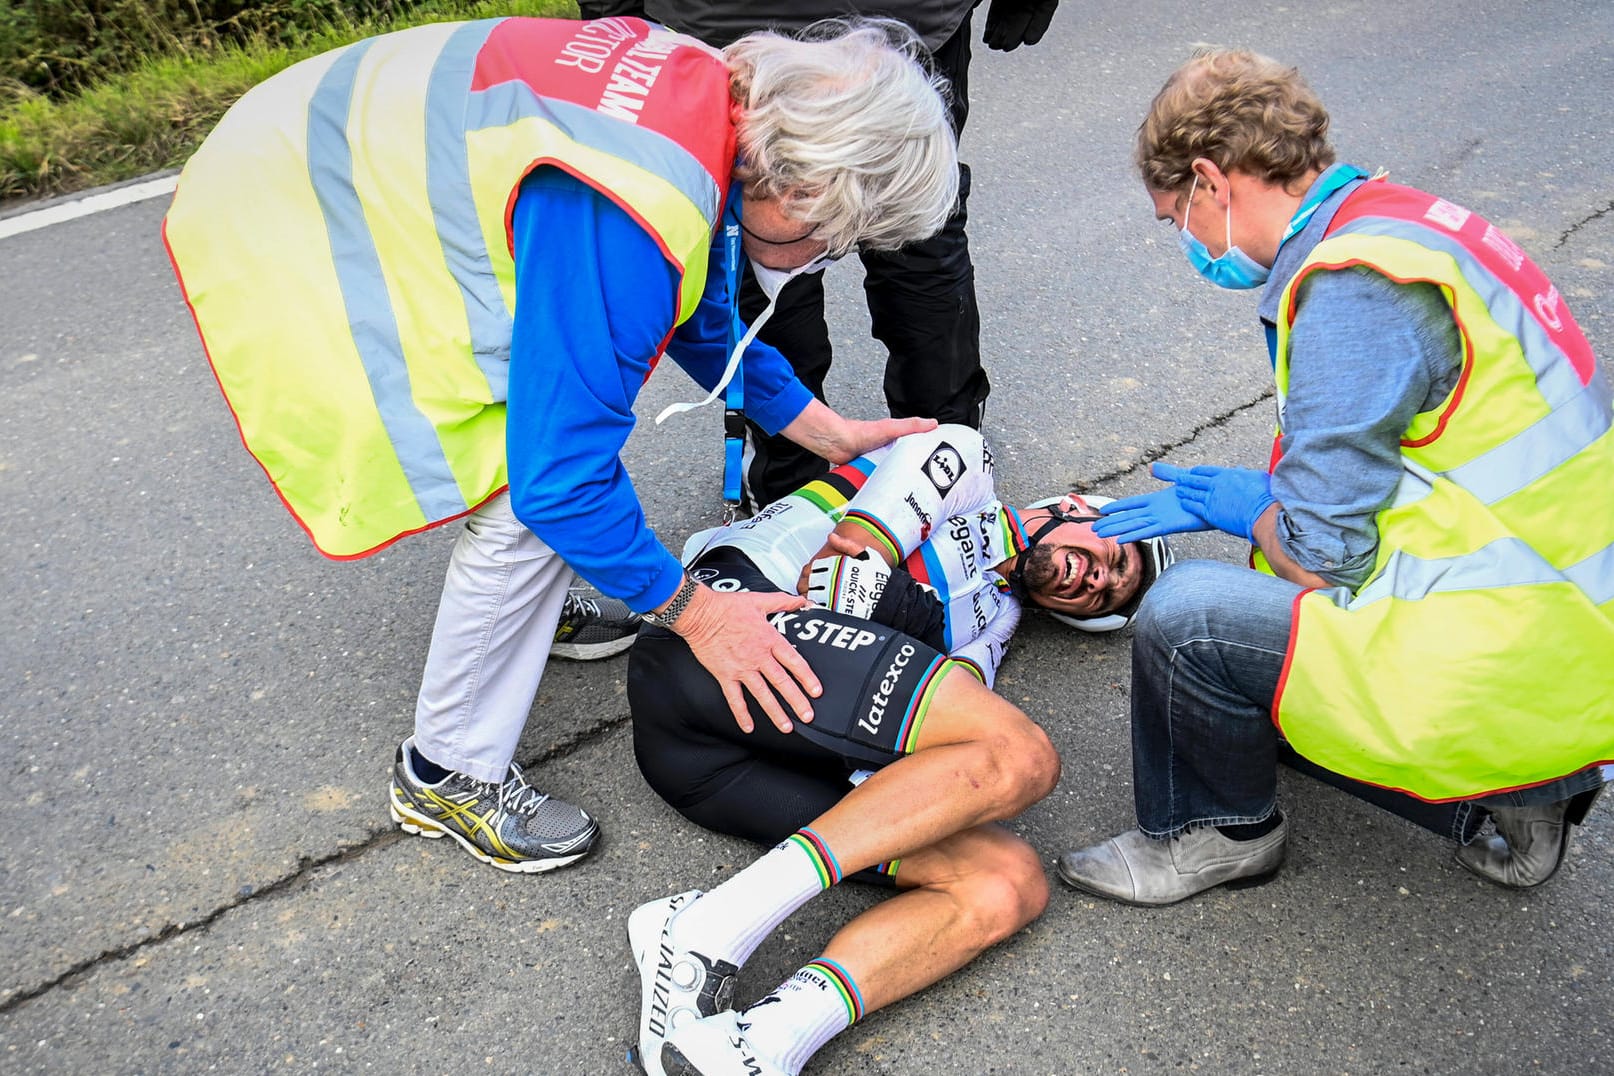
{"points": [[152, 118]]}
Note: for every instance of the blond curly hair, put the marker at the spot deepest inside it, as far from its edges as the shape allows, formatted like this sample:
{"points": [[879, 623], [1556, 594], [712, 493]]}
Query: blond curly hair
{"points": [[1244, 111]]}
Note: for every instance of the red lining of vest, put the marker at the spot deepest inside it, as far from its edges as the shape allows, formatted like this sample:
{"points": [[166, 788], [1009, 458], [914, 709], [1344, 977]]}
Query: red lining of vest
{"points": [[510, 238], [1468, 343], [1408, 205], [1288, 657]]}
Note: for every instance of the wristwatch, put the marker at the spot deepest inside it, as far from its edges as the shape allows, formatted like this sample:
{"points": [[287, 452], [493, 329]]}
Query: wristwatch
{"points": [[675, 608]]}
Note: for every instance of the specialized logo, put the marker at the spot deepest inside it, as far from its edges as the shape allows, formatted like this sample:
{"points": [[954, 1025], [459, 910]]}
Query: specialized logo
{"points": [[657, 1020], [986, 526], [748, 1059], [944, 468], [870, 722]]}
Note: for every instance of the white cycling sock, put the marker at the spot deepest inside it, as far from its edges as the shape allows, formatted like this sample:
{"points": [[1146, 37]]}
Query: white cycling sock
{"points": [[730, 922], [811, 1007]]}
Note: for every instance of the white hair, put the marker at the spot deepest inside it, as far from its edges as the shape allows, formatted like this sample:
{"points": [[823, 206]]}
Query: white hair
{"points": [[847, 126]]}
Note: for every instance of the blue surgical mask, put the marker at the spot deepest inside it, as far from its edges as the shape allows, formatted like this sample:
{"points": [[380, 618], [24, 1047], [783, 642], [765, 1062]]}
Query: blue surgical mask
{"points": [[1233, 268]]}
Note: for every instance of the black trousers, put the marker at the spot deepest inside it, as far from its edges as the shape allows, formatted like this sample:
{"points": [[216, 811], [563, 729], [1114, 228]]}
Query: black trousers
{"points": [[922, 307]]}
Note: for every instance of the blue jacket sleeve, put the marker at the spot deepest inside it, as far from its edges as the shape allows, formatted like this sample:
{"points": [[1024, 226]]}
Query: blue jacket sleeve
{"points": [[1366, 355], [773, 394], [594, 301]]}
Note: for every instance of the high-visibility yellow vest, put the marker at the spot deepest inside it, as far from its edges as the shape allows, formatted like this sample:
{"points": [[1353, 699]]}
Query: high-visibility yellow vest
{"points": [[343, 240], [1478, 656]]}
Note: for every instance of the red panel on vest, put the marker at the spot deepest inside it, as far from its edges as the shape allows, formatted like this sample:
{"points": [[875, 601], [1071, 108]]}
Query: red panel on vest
{"points": [[1490, 247], [624, 69]]}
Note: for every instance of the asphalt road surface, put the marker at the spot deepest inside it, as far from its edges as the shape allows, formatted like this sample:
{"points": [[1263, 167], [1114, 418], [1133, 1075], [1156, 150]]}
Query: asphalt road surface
{"points": [[197, 711]]}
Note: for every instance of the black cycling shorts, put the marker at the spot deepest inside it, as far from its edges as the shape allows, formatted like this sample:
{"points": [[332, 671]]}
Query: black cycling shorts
{"points": [[764, 785]]}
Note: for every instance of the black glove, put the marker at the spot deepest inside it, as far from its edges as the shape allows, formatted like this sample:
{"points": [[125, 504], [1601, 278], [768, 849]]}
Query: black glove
{"points": [[600, 9], [912, 609], [1012, 23]]}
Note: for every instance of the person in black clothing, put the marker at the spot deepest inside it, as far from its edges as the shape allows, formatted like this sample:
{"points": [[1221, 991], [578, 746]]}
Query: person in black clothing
{"points": [[922, 298]]}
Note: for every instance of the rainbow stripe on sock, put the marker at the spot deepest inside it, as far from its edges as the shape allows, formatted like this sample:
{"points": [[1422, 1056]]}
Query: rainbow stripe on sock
{"points": [[841, 981], [888, 869], [813, 846]]}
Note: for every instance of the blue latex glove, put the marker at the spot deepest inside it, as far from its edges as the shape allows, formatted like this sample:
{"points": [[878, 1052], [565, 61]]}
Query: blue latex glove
{"points": [[1149, 515], [1230, 499]]}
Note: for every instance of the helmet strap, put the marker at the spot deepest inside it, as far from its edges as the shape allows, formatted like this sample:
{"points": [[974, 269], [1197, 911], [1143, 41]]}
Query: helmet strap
{"points": [[1057, 517]]}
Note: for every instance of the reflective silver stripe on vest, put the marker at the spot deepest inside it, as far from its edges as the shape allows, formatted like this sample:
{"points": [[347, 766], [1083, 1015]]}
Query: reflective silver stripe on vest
{"points": [[507, 102], [448, 185], [1506, 562], [1537, 449], [1555, 374], [364, 293], [1595, 575]]}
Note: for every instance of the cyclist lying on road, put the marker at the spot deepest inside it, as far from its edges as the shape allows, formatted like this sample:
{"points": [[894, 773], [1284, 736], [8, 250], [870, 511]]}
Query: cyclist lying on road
{"points": [[919, 575]]}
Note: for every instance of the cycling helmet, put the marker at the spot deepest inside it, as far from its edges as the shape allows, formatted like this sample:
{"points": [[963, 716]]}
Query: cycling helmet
{"points": [[1156, 554]]}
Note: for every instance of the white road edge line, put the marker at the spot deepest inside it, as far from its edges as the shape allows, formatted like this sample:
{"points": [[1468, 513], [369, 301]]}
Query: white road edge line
{"points": [[83, 207]]}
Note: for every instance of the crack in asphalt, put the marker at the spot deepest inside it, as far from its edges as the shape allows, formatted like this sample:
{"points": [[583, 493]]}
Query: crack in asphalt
{"points": [[1161, 451], [1579, 224], [292, 880]]}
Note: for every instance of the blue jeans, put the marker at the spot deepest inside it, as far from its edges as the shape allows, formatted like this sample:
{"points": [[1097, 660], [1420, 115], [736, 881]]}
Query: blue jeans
{"points": [[1208, 648]]}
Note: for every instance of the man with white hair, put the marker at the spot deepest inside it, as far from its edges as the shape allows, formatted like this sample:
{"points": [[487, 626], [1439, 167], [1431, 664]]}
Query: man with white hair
{"points": [[921, 299], [466, 247], [918, 574]]}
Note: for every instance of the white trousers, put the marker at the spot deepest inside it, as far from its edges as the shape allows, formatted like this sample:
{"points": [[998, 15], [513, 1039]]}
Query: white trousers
{"points": [[495, 623]]}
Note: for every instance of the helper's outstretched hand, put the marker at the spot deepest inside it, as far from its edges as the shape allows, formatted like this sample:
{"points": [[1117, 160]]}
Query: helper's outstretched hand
{"points": [[1230, 499], [1148, 515], [732, 639], [824, 432], [1200, 498], [1012, 23]]}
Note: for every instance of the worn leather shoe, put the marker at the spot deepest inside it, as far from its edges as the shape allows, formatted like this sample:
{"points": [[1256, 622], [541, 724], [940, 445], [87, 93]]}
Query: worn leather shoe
{"points": [[1529, 844], [1135, 869]]}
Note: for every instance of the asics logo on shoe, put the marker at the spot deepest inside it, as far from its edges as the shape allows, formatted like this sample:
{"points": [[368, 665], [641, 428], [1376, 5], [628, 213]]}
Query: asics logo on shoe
{"points": [[461, 812]]}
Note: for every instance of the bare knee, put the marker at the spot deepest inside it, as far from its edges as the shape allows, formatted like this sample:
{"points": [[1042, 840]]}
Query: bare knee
{"points": [[1023, 762], [1008, 760], [1005, 886]]}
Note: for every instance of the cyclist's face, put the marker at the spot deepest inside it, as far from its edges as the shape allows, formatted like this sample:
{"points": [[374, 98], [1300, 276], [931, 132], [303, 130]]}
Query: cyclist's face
{"points": [[1072, 570]]}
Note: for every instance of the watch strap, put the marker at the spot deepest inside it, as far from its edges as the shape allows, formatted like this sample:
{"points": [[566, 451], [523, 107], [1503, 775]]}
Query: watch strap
{"points": [[674, 609]]}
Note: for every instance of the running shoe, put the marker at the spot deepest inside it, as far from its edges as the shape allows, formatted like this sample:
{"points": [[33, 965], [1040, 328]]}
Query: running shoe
{"points": [[593, 626], [714, 1046], [677, 986], [511, 826]]}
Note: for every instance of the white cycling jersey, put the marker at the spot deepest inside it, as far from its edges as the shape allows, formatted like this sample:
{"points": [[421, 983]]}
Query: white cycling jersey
{"points": [[929, 499]]}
